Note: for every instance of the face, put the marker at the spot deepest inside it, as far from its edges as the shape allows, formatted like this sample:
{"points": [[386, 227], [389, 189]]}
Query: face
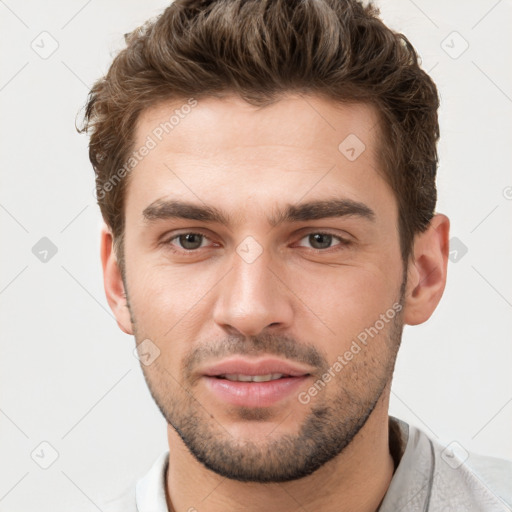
{"points": [[263, 265]]}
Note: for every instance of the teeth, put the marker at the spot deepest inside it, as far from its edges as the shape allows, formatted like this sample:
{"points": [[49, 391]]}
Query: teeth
{"points": [[265, 378], [252, 378]]}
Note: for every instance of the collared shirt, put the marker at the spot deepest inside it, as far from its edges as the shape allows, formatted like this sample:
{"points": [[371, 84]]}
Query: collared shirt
{"points": [[428, 477]]}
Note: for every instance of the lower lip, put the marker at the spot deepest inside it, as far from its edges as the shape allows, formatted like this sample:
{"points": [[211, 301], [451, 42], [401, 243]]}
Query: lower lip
{"points": [[254, 394]]}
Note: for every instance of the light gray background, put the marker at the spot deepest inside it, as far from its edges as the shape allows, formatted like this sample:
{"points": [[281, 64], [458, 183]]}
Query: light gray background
{"points": [[68, 376]]}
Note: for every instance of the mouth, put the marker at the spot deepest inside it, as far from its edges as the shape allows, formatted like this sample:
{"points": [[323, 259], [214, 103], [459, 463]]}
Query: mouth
{"points": [[251, 383], [239, 377]]}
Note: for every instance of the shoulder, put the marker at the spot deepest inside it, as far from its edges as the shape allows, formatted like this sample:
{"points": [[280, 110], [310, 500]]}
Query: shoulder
{"points": [[146, 495], [460, 476], [437, 477], [494, 473], [126, 502]]}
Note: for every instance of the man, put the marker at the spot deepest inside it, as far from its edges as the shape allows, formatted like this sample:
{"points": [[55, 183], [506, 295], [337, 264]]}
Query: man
{"points": [[266, 173]]}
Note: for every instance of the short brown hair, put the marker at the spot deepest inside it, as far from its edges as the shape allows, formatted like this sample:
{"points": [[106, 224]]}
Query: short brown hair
{"points": [[261, 50]]}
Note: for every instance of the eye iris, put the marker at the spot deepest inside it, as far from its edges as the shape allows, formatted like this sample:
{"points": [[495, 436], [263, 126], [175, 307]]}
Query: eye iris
{"points": [[323, 239], [188, 239]]}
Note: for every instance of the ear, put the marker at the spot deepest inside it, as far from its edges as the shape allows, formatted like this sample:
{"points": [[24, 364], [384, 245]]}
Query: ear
{"points": [[426, 276], [113, 282]]}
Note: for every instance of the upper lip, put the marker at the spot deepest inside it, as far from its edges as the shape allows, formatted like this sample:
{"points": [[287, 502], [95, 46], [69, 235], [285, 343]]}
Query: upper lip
{"points": [[251, 367]]}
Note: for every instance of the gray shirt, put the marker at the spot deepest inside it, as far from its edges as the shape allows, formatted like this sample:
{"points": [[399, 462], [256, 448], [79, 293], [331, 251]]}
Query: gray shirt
{"points": [[428, 477]]}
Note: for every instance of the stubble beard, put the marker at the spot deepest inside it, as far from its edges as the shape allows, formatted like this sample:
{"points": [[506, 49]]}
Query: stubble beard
{"points": [[331, 425]]}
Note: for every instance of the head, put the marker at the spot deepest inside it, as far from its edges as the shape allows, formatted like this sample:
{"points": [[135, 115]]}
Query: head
{"points": [[266, 173]]}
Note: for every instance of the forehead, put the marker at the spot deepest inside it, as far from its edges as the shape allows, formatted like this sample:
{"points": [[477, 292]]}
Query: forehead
{"points": [[213, 125], [226, 149]]}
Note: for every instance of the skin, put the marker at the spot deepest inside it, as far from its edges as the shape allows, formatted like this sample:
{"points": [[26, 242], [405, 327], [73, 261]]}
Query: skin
{"points": [[251, 163]]}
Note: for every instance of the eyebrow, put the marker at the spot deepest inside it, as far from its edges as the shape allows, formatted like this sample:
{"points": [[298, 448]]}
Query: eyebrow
{"points": [[162, 209]]}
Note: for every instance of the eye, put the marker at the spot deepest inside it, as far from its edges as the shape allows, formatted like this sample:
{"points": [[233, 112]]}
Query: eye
{"points": [[188, 241], [322, 241]]}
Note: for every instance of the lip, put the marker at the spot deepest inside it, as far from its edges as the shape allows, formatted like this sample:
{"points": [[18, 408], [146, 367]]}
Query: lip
{"points": [[254, 394], [255, 367]]}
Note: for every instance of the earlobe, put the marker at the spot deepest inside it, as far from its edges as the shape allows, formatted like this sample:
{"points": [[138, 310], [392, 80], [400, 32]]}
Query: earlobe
{"points": [[113, 282], [427, 271]]}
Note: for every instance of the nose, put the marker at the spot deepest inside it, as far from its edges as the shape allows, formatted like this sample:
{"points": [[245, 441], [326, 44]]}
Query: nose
{"points": [[253, 296]]}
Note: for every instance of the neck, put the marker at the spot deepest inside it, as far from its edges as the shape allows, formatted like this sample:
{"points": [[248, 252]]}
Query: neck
{"points": [[356, 480]]}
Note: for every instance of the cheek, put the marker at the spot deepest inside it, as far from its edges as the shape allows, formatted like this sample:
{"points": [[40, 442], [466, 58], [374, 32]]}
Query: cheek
{"points": [[348, 301], [161, 295], [346, 298], [350, 295]]}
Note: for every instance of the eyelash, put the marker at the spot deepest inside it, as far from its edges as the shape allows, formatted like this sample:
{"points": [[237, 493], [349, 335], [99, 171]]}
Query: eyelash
{"points": [[343, 243]]}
